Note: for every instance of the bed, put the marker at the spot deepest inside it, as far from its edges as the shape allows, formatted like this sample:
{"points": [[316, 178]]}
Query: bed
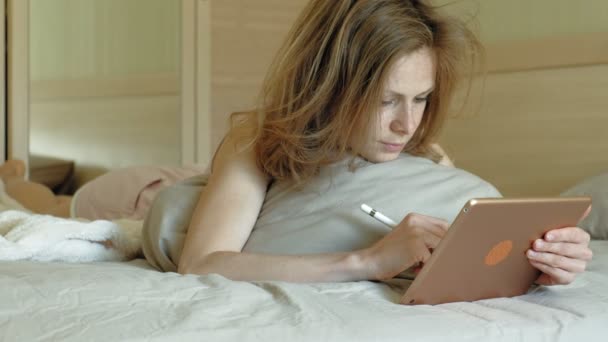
{"points": [[132, 301]]}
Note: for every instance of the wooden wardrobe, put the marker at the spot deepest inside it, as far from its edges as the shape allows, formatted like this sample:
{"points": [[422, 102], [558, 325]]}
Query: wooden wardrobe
{"points": [[188, 89]]}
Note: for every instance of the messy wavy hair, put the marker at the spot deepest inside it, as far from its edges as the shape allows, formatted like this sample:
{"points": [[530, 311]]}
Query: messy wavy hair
{"points": [[326, 82]]}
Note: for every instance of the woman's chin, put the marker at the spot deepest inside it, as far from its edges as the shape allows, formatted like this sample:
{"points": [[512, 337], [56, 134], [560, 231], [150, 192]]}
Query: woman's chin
{"points": [[382, 157]]}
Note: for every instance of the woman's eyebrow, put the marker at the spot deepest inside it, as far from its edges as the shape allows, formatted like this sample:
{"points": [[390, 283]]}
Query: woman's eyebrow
{"points": [[395, 93], [430, 90]]}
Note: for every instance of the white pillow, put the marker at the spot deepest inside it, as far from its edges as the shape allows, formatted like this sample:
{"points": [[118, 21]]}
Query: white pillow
{"points": [[597, 221]]}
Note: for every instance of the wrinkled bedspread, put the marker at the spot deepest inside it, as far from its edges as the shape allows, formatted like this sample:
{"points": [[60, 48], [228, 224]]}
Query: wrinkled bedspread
{"points": [[131, 301]]}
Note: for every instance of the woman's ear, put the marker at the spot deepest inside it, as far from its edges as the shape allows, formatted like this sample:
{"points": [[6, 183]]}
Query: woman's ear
{"points": [[445, 159]]}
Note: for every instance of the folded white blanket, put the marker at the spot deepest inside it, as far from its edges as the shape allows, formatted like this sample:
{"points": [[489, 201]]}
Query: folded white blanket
{"points": [[28, 236]]}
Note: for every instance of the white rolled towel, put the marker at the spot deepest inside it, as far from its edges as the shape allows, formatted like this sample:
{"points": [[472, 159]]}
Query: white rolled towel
{"points": [[26, 236]]}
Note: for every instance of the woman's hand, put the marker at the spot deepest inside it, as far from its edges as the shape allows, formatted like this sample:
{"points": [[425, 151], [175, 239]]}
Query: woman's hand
{"points": [[408, 244], [445, 159], [560, 255]]}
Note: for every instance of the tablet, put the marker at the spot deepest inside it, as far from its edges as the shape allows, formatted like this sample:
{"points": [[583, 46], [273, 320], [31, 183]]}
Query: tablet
{"points": [[483, 254]]}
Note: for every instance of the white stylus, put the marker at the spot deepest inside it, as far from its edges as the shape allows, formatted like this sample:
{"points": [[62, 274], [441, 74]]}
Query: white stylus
{"points": [[378, 215]]}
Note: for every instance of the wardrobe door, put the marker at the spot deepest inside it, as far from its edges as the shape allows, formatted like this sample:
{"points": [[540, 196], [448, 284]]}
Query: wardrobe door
{"points": [[99, 84], [3, 76]]}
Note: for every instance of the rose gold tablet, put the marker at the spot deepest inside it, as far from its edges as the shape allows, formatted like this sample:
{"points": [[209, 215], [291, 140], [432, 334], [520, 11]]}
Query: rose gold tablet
{"points": [[483, 254]]}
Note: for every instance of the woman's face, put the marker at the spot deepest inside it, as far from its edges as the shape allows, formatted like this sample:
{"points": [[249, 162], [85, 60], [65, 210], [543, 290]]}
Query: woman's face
{"points": [[410, 82]]}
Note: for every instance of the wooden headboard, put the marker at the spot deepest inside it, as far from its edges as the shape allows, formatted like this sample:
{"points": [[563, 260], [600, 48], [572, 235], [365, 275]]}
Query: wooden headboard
{"points": [[537, 129]]}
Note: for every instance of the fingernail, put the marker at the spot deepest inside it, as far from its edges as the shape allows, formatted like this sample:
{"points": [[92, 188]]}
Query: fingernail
{"points": [[531, 253], [549, 237], [538, 243]]}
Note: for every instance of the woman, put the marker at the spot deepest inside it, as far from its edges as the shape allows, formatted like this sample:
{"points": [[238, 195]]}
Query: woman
{"points": [[357, 83], [349, 112]]}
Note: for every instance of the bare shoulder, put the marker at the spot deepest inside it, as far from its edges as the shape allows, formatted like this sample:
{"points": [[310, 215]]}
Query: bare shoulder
{"points": [[236, 159]]}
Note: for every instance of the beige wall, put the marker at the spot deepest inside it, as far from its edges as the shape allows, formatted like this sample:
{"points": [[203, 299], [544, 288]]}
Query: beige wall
{"points": [[245, 37], [534, 128], [503, 20], [536, 133]]}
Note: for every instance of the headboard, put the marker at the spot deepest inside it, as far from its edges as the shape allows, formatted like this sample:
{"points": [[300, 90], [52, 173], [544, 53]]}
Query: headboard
{"points": [[538, 128]]}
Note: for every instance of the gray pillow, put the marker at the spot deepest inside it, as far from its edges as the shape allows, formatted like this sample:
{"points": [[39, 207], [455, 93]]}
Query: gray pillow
{"points": [[597, 221]]}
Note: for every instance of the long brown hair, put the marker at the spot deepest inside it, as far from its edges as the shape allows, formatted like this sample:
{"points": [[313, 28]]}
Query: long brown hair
{"points": [[327, 80]]}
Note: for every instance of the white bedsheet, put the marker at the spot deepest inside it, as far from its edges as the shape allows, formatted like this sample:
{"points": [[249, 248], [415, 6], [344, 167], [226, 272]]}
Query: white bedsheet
{"points": [[130, 301]]}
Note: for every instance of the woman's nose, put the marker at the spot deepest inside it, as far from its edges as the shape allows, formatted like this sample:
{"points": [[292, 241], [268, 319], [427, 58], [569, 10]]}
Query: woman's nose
{"points": [[403, 122]]}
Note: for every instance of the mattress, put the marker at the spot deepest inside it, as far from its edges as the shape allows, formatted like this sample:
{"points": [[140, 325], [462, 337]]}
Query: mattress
{"points": [[109, 301]]}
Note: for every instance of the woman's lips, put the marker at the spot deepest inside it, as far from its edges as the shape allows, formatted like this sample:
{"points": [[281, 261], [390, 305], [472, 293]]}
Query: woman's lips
{"points": [[393, 147]]}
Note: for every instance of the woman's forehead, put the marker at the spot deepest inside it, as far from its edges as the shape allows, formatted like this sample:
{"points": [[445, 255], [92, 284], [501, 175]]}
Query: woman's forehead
{"points": [[412, 74]]}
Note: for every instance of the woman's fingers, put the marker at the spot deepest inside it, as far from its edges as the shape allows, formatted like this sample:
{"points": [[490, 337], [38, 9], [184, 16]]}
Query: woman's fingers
{"points": [[431, 240], [570, 250], [570, 234], [429, 224], [442, 224], [435, 230], [557, 261], [561, 255], [552, 275], [421, 255]]}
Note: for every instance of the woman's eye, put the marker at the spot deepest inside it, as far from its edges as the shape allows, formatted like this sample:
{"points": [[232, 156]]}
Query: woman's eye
{"points": [[389, 102], [421, 99]]}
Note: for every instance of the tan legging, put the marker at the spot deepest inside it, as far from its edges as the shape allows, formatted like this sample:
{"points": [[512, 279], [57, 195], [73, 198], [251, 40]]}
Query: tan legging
{"points": [[38, 198]]}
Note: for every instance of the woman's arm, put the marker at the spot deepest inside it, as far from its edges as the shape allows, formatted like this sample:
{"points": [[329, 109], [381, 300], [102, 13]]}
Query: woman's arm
{"points": [[227, 209], [226, 214], [333, 267], [222, 222], [408, 244]]}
